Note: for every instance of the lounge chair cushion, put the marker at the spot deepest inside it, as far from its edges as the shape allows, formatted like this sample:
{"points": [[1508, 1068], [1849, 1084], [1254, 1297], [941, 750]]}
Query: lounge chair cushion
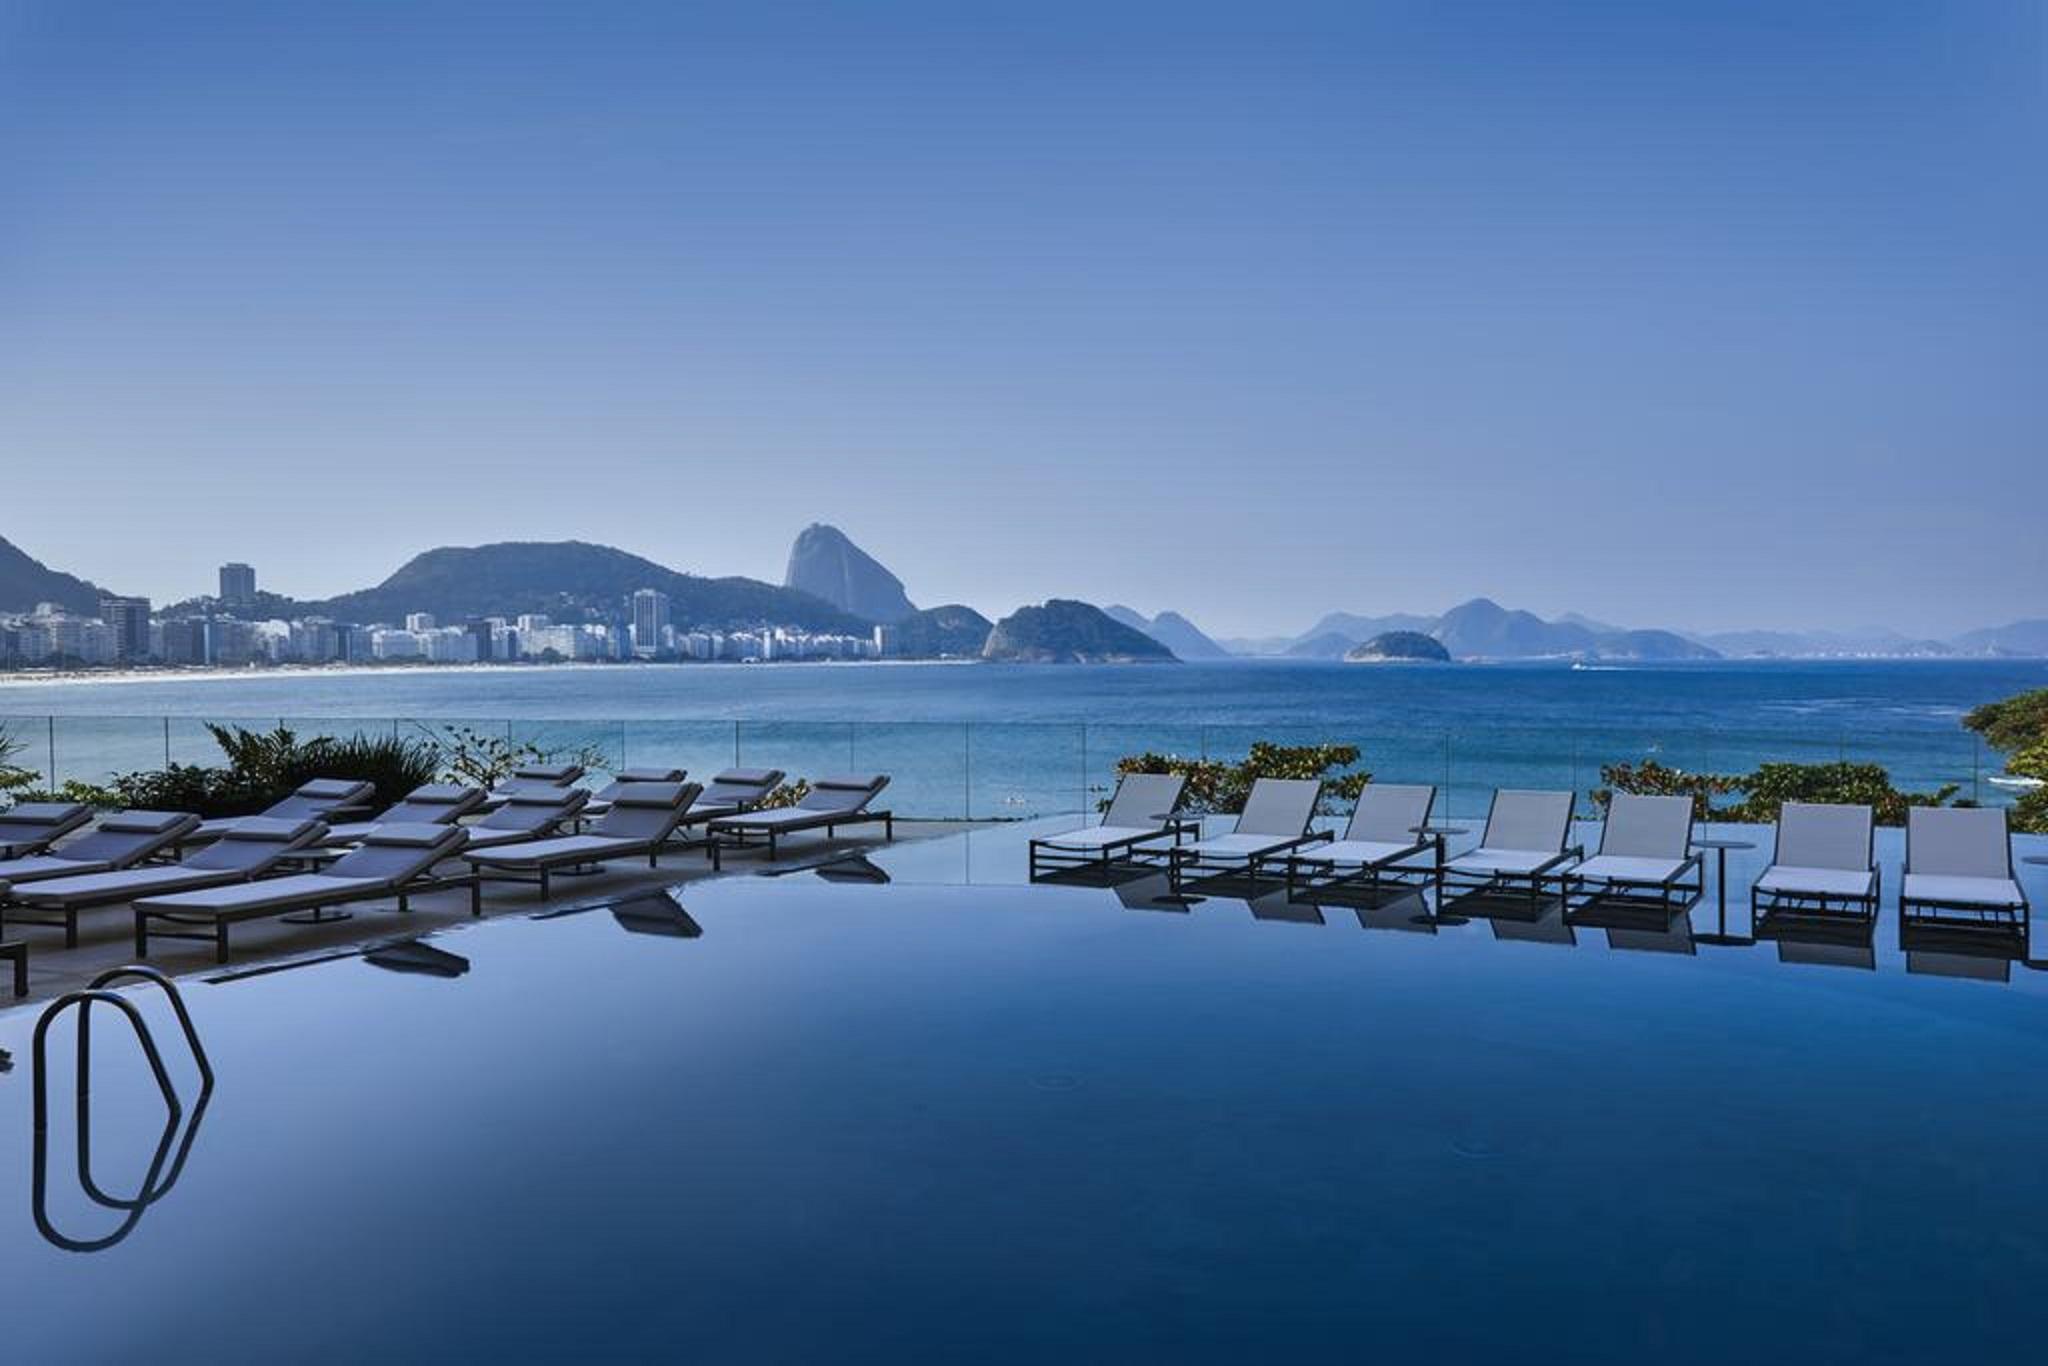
{"points": [[1099, 836], [559, 774], [1967, 891], [750, 777], [277, 893], [119, 884], [48, 865], [565, 849], [1624, 868], [270, 830], [1236, 846], [1791, 880], [1364, 853], [1511, 862], [332, 789], [144, 822], [44, 813]]}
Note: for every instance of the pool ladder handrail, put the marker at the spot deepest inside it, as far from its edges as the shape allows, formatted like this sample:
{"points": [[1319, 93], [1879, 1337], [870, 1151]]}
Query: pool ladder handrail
{"points": [[98, 991]]}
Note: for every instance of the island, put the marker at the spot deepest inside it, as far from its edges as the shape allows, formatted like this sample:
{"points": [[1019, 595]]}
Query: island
{"points": [[1402, 647]]}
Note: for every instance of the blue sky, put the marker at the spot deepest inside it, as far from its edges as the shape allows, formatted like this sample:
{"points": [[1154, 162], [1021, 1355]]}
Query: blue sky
{"points": [[1695, 315]]}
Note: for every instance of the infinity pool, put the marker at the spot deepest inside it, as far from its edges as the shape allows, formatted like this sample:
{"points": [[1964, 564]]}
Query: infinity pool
{"points": [[819, 1120]]}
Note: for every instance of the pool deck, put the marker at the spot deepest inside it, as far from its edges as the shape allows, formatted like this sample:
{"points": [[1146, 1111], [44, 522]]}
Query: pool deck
{"points": [[106, 936]]}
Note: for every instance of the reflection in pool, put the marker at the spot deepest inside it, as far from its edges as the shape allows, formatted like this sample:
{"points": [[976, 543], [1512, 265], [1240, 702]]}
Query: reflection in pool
{"points": [[812, 1120]]}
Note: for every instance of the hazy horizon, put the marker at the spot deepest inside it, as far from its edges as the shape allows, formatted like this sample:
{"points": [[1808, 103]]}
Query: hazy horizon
{"points": [[1685, 315]]}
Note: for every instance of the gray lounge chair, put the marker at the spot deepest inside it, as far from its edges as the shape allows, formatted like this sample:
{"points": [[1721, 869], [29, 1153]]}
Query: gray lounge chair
{"points": [[640, 821], [528, 816], [1274, 822], [1959, 870], [395, 860], [1384, 833], [1524, 844], [831, 803], [625, 778], [31, 827], [734, 791], [121, 840], [321, 799], [251, 849], [533, 778], [1645, 854], [431, 804], [1135, 816], [1823, 865]]}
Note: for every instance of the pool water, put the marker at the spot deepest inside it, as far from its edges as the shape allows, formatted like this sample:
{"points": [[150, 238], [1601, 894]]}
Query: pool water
{"points": [[842, 1120]]}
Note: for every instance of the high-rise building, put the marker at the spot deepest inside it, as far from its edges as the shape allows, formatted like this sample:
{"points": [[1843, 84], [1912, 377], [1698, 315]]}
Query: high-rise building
{"points": [[128, 619], [237, 585], [419, 622], [650, 621]]}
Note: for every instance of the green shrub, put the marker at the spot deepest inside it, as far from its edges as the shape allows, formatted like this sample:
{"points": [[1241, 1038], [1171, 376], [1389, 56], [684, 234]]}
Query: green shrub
{"points": [[485, 758], [1218, 785], [2019, 726], [1767, 789]]}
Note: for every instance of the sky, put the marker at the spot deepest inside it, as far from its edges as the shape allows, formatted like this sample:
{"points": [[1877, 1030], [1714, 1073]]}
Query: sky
{"points": [[1694, 315]]}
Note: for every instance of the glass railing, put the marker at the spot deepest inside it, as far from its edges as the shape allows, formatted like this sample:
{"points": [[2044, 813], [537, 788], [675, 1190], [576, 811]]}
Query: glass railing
{"points": [[1016, 770]]}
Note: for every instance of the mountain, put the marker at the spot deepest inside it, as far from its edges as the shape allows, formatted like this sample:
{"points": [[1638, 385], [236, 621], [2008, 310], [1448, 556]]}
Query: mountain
{"points": [[1412, 646], [1172, 630], [1063, 631], [565, 579], [1617, 644], [937, 632], [2018, 638], [26, 581], [1483, 629], [1328, 645], [1872, 642], [825, 564]]}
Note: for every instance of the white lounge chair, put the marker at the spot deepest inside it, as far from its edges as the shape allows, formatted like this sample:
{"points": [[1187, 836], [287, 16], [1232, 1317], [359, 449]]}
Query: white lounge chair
{"points": [[640, 821], [1823, 864], [831, 803], [321, 799], [254, 847], [120, 840], [1136, 815], [1274, 823], [430, 804], [1959, 870], [395, 860], [1384, 833], [1645, 854], [31, 827], [1525, 843]]}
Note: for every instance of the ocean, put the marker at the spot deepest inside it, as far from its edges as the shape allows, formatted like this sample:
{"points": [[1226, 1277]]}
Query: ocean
{"points": [[991, 741]]}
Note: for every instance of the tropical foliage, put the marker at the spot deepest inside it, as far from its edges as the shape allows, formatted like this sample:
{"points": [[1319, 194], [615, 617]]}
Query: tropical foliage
{"points": [[1221, 785], [2019, 726], [1763, 792], [479, 758]]}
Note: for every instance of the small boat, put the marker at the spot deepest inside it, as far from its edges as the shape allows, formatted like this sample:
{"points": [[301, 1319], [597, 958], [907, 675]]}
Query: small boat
{"points": [[2017, 784]]}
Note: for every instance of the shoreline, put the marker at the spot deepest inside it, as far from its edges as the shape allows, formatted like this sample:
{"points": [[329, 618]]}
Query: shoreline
{"points": [[302, 672]]}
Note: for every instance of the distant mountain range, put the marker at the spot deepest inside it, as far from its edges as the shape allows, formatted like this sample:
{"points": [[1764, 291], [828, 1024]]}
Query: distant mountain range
{"points": [[1170, 629], [1063, 631]]}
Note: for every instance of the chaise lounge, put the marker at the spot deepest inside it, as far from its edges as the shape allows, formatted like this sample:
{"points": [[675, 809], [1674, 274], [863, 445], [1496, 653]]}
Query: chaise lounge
{"points": [[251, 849], [625, 778], [640, 821], [1274, 822], [528, 816], [1823, 867], [1959, 872], [31, 827], [395, 860], [1384, 833], [321, 799], [1644, 857], [533, 778], [430, 804], [1140, 811], [831, 803], [121, 840], [1523, 845]]}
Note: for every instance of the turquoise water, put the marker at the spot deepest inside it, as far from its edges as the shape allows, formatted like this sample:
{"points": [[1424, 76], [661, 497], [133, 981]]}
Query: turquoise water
{"points": [[1017, 741]]}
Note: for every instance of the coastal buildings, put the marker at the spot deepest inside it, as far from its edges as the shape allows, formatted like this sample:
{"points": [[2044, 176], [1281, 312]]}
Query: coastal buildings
{"points": [[237, 585]]}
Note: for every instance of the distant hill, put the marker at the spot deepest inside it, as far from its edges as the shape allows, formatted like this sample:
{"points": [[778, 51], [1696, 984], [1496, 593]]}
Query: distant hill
{"points": [[564, 579], [1648, 645], [1063, 631], [26, 581], [1826, 644], [952, 631], [1172, 630], [1409, 646], [1357, 628], [826, 564], [1327, 645], [2018, 638], [1483, 629]]}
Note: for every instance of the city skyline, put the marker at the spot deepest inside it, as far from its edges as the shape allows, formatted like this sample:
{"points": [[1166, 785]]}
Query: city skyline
{"points": [[1674, 315]]}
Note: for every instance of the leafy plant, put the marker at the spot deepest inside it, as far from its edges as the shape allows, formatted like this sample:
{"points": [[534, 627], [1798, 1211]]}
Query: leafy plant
{"points": [[1219, 785], [14, 780], [787, 794], [2019, 726], [1767, 789], [485, 758]]}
